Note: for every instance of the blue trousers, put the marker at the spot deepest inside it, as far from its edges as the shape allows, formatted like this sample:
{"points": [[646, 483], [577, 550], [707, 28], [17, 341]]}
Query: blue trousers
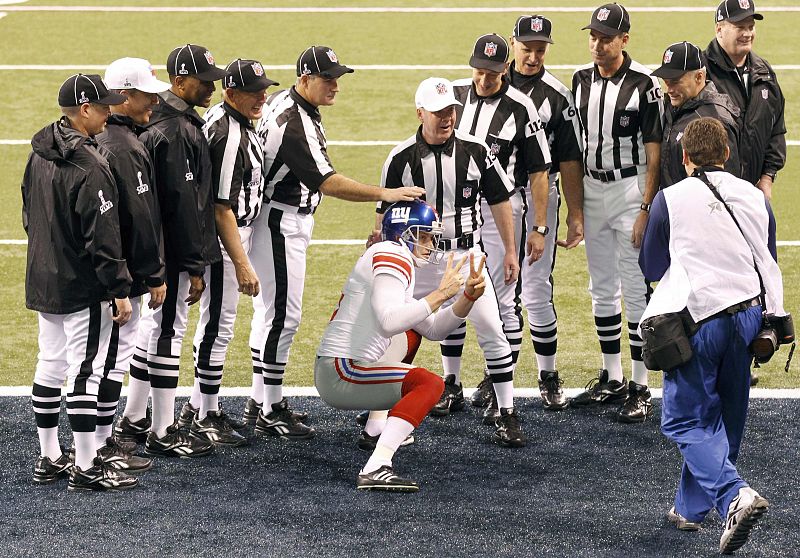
{"points": [[704, 411]]}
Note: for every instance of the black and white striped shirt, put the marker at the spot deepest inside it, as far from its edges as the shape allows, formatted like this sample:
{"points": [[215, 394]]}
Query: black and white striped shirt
{"points": [[618, 115], [296, 159], [455, 176], [236, 161], [556, 108], [509, 124]]}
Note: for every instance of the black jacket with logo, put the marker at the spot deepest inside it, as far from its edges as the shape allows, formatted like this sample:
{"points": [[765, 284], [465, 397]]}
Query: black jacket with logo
{"points": [[763, 132], [182, 161], [69, 211], [709, 102], [139, 219]]}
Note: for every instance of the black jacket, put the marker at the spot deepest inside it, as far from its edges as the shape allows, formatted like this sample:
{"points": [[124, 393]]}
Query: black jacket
{"points": [[69, 211], [709, 102], [182, 161], [763, 133]]}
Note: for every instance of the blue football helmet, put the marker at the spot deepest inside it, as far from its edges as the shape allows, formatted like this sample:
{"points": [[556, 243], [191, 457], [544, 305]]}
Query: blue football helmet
{"points": [[403, 221]]}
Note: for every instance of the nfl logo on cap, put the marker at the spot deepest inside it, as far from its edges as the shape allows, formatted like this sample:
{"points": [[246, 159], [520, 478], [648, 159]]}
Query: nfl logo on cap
{"points": [[603, 14], [536, 24], [441, 88], [490, 49], [258, 70], [209, 58], [668, 57], [332, 56], [744, 4]]}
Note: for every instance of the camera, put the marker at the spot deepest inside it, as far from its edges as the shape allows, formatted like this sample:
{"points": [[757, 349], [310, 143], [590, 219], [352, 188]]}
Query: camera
{"points": [[775, 331]]}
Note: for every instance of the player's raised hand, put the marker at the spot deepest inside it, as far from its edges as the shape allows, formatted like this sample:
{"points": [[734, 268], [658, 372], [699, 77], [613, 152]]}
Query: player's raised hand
{"points": [[453, 279], [476, 283], [404, 193]]}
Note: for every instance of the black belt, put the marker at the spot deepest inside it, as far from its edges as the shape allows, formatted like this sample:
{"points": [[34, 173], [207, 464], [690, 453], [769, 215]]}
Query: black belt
{"points": [[461, 243], [612, 175], [731, 310]]}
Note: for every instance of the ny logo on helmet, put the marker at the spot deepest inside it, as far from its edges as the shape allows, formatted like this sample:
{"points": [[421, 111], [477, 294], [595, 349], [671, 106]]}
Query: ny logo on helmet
{"points": [[400, 214], [744, 4], [104, 205], [441, 88], [536, 24], [490, 49], [84, 98], [668, 56], [603, 14]]}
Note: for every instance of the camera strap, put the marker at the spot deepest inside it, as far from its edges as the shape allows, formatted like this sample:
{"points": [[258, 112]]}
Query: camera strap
{"points": [[700, 174]]}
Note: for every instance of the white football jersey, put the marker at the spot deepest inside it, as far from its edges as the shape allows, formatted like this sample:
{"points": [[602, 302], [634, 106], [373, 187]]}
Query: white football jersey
{"points": [[353, 329]]}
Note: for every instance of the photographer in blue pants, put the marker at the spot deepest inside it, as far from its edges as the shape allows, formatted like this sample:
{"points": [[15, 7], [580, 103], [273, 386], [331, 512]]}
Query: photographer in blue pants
{"points": [[726, 294]]}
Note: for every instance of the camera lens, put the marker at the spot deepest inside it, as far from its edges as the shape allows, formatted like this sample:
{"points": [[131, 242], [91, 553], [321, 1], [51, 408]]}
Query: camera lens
{"points": [[764, 345]]}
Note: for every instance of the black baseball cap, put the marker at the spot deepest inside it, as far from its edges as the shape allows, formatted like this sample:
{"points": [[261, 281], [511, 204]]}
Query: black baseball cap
{"points": [[195, 61], [678, 59], [321, 61], [246, 75], [82, 88], [610, 19], [490, 53], [736, 10], [533, 28]]}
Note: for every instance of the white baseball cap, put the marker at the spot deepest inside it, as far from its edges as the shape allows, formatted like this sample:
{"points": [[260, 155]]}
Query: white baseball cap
{"points": [[434, 94], [134, 73]]}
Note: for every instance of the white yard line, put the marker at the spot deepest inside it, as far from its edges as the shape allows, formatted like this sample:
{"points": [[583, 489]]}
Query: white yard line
{"points": [[756, 393], [288, 67]]}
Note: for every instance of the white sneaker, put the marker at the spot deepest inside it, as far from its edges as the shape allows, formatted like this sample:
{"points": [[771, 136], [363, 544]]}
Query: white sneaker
{"points": [[743, 513], [681, 522]]}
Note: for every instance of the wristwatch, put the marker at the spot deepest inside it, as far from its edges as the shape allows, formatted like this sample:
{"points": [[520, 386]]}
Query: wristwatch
{"points": [[542, 230], [645, 207]]}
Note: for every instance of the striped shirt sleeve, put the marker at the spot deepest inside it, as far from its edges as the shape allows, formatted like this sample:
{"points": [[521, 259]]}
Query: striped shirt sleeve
{"points": [[305, 152], [652, 112], [392, 263]]}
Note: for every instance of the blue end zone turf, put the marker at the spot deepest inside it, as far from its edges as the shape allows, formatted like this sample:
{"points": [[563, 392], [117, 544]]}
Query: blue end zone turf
{"points": [[584, 487]]}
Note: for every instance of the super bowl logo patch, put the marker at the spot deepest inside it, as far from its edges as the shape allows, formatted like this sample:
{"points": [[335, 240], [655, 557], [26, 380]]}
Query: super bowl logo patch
{"points": [[258, 70], [603, 14], [744, 4], [400, 214], [490, 49], [127, 83], [764, 94], [494, 149], [441, 88], [104, 205], [231, 82], [624, 121], [536, 24], [209, 58], [183, 71], [142, 187], [332, 57], [668, 56], [84, 98], [466, 191]]}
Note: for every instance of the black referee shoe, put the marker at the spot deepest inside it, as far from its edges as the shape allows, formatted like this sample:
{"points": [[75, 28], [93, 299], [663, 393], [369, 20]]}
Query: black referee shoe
{"points": [[281, 422], [177, 443], [509, 433], [483, 393], [452, 398], [187, 414], [551, 392], [251, 410], [216, 430], [638, 406], [46, 470], [99, 477], [117, 456], [385, 479], [601, 390], [126, 430]]}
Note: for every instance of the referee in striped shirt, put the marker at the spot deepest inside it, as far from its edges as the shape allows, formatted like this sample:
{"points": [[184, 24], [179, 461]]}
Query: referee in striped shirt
{"points": [[236, 161], [506, 119], [621, 112], [297, 172]]}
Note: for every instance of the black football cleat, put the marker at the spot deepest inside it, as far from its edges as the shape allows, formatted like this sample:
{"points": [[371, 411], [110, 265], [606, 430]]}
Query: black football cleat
{"points": [[116, 456], [216, 430], [187, 414], [483, 393], [452, 398], [509, 433], [177, 443], [491, 413], [46, 470], [362, 418], [551, 392], [601, 390], [743, 514], [638, 406], [281, 422], [385, 479], [368, 443], [126, 430], [99, 477], [251, 410]]}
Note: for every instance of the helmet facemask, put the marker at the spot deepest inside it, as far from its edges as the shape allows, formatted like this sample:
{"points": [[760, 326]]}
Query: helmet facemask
{"points": [[410, 237]]}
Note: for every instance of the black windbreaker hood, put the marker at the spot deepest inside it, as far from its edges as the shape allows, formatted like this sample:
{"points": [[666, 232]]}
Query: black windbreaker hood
{"points": [[57, 142]]}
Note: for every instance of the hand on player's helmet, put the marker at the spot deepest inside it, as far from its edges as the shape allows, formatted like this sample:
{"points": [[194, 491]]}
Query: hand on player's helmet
{"points": [[476, 283], [405, 193], [122, 311], [157, 296], [196, 287], [453, 279]]}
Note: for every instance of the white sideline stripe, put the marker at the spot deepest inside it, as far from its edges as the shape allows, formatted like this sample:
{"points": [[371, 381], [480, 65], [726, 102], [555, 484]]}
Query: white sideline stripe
{"points": [[186, 391], [354, 242], [362, 67], [368, 9]]}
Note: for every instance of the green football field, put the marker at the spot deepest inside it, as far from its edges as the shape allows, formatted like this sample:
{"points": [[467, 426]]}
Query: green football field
{"points": [[39, 49]]}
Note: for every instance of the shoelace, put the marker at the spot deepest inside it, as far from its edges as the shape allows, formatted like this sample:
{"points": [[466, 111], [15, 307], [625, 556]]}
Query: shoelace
{"points": [[593, 385], [553, 383]]}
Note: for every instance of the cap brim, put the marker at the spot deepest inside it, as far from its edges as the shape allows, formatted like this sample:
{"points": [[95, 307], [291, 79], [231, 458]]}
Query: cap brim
{"points": [[669, 73], [740, 17], [605, 29], [258, 85], [534, 37], [491, 65], [111, 99], [212, 74], [336, 71], [443, 103], [155, 86]]}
